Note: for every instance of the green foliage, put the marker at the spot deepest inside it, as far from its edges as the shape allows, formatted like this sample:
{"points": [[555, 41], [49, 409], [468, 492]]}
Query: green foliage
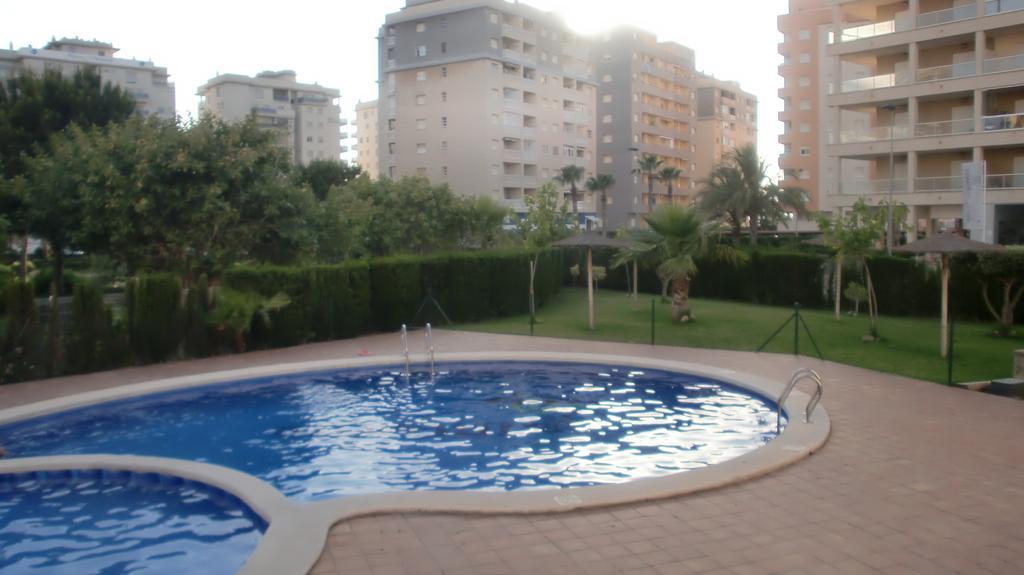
{"points": [[570, 175], [544, 221], [236, 311], [198, 339], [154, 316], [1005, 268], [600, 184], [322, 175], [93, 342], [42, 282], [21, 349]]}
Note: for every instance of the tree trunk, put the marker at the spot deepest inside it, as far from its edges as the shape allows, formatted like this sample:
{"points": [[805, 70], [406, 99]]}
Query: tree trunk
{"points": [[650, 192], [872, 301], [839, 286], [681, 298], [1005, 315], [575, 201], [670, 192], [665, 281], [23, 271], [754, 227]]}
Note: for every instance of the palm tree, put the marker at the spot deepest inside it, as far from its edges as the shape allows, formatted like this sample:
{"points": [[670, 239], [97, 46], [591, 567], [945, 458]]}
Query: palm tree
{"points": [[668, 175], [753, 174], [600, 184], [648, 165], [568, 176], [679, 237]]}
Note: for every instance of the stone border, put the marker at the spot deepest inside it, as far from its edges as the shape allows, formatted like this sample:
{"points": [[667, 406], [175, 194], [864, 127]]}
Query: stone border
{"points": [[298, 531]]}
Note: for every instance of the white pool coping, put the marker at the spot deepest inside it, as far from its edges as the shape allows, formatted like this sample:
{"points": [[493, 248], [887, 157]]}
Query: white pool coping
{"points": [[298, 531]]}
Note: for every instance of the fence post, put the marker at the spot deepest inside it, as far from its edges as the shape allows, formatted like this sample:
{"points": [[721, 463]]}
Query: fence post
{"points": [[652, 321], [796, 328]]}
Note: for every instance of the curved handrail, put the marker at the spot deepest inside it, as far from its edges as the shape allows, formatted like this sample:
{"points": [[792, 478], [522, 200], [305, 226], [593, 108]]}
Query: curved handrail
{"points": [[405, 350], [430, 350], [798, 376]]}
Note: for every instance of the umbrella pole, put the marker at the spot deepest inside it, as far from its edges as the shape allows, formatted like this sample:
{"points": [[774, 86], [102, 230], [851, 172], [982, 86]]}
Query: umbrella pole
{"points": [[945, 305], [590, 288]]}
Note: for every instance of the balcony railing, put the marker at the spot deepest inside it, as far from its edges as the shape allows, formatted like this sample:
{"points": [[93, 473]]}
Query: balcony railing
{"points": [[873, 186], [945, 128], [1004, 181], [955, 14], [958, 70], [876, 134], [1003, 122], [867, 31], [1004, 64], [939, 184], [875, 82], [1000, 6]]}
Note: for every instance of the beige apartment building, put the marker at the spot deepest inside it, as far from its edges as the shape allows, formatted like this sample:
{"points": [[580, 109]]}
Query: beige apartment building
{"points": [[367, 143], [916, 91], [726, 120], [489, 97], [646, 105], [148, 84], [306, 117]]}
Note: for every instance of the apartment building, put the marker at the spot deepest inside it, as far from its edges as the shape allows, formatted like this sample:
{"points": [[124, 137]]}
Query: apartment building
{"points": [[489, 97], [917, 92], [306, 117], [646, 105], [147, 83], [726, 120], [804, 70], [367, 143]]}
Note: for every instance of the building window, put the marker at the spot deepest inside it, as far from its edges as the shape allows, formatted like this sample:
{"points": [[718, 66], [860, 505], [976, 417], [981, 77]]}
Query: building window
{"points": [[805, 128], [309, 139], [607, 98], [421, 26], [494, 17], [444, 145], [805, 35], [421, 124], [421, 51], [421, 100], [444, 121], [391, 147], [805, 58], [444, 96], [606, 119], [444, 171], [421, 148], [392, 172], [494, 43], [805, 104], [606, 159], [606, 139], [421, 76], [391, 124], [805, 151], [804, 81], [444, 71], [444, 47]]}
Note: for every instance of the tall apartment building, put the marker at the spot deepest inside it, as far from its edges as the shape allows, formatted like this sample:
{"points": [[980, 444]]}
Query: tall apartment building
{"points": [[367, 142], [726, 119], [306, 117], [148, 84], [804, 70], [917, 90], [489, 97], [647, 105]]}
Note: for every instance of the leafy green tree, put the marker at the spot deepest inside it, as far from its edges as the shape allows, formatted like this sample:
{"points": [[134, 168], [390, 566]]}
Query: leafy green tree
{"points": [[668, 176], [482, 223], [235, 311], [542, 225], [648, 165], [569, 176], [678, 237], [322, 175], [855, 234], [35, 108], [599, 185], [1005, 268]]}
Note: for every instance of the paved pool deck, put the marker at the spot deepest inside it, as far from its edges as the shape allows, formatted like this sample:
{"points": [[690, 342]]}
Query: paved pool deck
{"points": [[915, 478]]}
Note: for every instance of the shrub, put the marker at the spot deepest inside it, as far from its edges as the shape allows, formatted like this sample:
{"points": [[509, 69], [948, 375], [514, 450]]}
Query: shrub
{"points": [[22, 353], [154, 316], [397, 291], [93, 343], [199, 341], [42, 282]]}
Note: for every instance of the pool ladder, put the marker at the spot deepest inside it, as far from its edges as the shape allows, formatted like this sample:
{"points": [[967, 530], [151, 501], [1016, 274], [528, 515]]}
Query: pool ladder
{"points": [[429, 336], [798, 376]]}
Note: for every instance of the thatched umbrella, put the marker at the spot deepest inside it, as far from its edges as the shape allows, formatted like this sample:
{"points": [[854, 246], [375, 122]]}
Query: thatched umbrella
{"points": [[591, 240], [945, 245]]}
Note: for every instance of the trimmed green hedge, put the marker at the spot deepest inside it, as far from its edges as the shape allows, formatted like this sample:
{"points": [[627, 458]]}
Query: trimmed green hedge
{"points": [[155, 317]]}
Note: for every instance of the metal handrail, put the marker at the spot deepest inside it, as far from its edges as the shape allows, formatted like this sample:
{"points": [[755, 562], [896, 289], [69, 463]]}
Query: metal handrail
{"points": [[405, 351], [430, 350], [798, 376]]}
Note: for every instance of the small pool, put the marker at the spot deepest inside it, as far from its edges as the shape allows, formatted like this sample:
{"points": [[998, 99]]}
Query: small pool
{"points": [[476, 426], [93, 522]]}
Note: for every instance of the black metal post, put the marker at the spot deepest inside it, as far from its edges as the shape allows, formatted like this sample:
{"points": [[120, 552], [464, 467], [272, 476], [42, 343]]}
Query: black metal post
{"points": [[796, 328]]}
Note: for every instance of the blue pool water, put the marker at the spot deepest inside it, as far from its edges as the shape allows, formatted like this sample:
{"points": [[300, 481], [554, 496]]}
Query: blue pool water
{"points": [[497, 426], [111, 523]]}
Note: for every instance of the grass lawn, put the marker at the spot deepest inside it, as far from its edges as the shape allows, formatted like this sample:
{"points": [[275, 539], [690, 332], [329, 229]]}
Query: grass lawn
{"points": [[909, 346]]}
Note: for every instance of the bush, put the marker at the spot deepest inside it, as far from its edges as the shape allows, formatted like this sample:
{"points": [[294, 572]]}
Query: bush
{"points": [[397, 291], [22, 354], [42, 281], [154, 316], [199, 338], [93, 343]]}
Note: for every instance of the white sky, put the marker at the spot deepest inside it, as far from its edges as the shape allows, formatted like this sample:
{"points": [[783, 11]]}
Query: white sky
{"points": [[333, 44]]}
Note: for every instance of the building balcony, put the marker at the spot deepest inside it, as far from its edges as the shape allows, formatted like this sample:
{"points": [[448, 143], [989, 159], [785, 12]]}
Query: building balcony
{"points": [[882, 186], [1004, 181], [876, 82], [1004, 63], [944, 128], [519, 57], [954, 14], [1003, 122], [939, 184], [993, 7], [959, 70]]}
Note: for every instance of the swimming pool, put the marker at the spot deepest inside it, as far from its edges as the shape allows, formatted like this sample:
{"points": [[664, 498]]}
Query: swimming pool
{"points": [[492, 426], [90, 521], [307, 445]]}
